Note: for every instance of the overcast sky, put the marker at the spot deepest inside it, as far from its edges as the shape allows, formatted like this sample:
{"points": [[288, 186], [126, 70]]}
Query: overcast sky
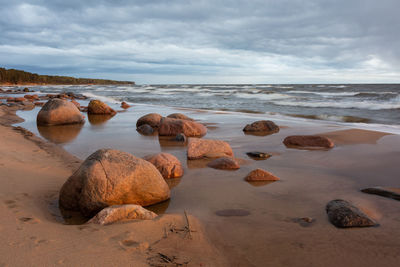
{"points": [[204, 41]]}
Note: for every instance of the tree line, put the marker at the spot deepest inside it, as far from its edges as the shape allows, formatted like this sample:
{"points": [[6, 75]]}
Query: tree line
{"points": [[14, 76]]}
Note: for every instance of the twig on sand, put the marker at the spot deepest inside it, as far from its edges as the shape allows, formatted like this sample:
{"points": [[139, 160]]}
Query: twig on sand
{"points": [[189, 230]]}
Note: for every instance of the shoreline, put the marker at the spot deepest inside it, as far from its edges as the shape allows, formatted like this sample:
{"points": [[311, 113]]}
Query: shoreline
{"points": [[309, 180]]}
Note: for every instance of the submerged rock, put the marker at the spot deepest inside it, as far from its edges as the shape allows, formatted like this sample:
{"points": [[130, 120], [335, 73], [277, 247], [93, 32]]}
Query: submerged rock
{"points": [[343, 215], [180, 137], [308, 141], [265, 127], [99, 107], [121, 213], [389, 192], [260, 175], [145, 129], [152, 119], [111, 177], [172, 127], [224, 163], [58, 112], [167, 164], [125, 105], [206, 148]]}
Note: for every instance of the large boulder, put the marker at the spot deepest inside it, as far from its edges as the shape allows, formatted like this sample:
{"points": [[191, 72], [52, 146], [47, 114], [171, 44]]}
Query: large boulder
{"points": [[262, 127], [179, 116], [121, 213], [342, 214], [111, 177], [172, 127], [224, 163], [260, 175], [152, 119], [167, 164], [58, 112], [308, 141], [99, 107], [206, 148]]}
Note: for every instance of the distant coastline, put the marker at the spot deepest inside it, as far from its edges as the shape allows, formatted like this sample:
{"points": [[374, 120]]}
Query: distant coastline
{"points": [[13, 77]]}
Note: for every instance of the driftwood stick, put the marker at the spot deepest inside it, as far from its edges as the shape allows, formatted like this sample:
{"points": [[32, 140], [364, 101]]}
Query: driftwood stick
{"points": [[188, 225]]}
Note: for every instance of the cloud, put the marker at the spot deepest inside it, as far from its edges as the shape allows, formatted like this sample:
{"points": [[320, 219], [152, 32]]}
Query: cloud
{"points": [[205, 41]]}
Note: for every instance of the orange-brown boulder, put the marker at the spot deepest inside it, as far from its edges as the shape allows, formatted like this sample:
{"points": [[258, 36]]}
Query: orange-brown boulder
{"points": [[99, 107], [31, 97], [152, 119], [224, 163], [260, 175], [179, 116], [206, 148], [122, 213], [10, 99], [76, 103], [125, 105], [19, 99], [266, 127], [111, 177], [168, 165], [57, 112], [172, 127], [308, 141]]}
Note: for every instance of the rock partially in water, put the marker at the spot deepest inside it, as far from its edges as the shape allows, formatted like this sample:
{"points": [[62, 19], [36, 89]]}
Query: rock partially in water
{"points": [[58, 112], [152, 119], [121, 213], [389, 192], [260, 175], [262, 127], [145, 129], [111, 177], [308, 141], [258, 155], [207, 148], [342, 214], [167, 164], [179, 116], [224, 163], [125, 105], [172, 127], [99, 107], [180, 137]]}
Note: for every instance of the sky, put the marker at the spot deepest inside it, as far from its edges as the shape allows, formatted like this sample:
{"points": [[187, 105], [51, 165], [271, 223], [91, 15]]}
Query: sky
{"points": [[204, 41]]}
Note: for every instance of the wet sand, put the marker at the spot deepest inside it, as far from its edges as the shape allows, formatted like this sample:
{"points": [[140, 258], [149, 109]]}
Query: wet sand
{"points": [[262, 226]]}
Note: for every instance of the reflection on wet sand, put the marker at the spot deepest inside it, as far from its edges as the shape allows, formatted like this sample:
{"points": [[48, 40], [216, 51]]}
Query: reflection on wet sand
{"points": [[260, 183], [60, 134], [173, 182], [168, 141], [159, 208], [96, 119]]}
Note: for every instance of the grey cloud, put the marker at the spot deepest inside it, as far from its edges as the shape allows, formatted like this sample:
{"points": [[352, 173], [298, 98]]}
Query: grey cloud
{"points": [[207, 38]]}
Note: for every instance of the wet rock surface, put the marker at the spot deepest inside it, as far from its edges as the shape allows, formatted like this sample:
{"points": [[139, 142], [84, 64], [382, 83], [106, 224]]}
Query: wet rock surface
{"points": [[260, 175], [167, 164], [224, 163], [58, 112], [342, 214], [261, 127], [207, 148], [308, 141], [258, 155], [122, 213], [388, 192]]}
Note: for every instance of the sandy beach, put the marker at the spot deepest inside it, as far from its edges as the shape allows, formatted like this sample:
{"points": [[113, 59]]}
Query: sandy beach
{"points": [[264, 228]]}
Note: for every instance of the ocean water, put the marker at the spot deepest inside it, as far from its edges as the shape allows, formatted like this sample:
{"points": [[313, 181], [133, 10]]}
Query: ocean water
{"points": [[348, 103]]}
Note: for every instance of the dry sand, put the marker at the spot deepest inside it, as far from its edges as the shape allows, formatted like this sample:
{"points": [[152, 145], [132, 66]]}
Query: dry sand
{"points": [[265, 230]]}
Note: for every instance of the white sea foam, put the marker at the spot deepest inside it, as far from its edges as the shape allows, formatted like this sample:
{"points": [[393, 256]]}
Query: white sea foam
{"points": [[325, 93], [342, 104], [267, 97], [101, 98]]}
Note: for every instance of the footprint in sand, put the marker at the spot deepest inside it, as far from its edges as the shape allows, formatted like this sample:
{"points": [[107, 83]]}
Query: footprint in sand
{"points": [[11, 204], [29, 220]]}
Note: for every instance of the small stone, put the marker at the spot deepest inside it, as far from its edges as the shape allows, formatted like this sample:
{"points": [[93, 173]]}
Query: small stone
{"points": [[207, 148], [99, 107], [262, 127], [224, 163], [260, 175], [308, 141], [258, 155], [125, 105], [167, 164]]}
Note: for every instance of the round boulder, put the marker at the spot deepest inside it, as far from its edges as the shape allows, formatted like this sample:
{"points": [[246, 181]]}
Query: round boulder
{"points": [[262, 127], [111, 177], [308, 141], [99, 107], [58, 112], [152, 119], [168, 165], [179, 116], [172, 127], [206, 148]]}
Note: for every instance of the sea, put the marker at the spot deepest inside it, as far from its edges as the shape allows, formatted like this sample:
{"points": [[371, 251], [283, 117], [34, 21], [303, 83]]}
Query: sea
{"points": [[361, 104]]}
